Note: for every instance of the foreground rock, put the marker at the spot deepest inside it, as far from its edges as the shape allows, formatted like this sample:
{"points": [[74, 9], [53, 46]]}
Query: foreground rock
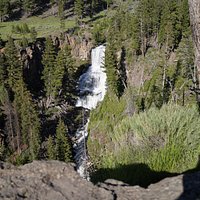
{"points": [[56, 180], [46, 180]]}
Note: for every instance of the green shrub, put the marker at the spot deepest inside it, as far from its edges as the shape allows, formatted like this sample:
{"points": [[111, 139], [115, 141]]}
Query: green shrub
{"points": [[171, 135], [99, 30], [165, 140], [103, 120]]}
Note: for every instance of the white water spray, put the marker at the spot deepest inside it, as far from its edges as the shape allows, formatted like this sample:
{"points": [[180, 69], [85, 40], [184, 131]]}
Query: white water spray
{"points": [[92, 84], [92, 87]]}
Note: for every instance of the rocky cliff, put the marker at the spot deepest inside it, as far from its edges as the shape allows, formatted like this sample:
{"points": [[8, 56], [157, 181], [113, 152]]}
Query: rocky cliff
{"points": [[56, 180]]}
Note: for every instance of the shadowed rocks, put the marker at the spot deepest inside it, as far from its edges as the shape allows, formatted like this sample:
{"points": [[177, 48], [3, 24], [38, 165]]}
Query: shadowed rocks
{"points": [[52, 180]]}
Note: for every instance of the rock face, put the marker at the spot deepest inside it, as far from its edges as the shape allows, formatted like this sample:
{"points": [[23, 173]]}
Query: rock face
{"points": [[81, 45], [46, 180]]}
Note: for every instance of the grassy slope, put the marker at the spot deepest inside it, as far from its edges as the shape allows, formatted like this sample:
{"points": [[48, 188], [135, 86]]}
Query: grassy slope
{"points": [[145, 147], [44, 26]]}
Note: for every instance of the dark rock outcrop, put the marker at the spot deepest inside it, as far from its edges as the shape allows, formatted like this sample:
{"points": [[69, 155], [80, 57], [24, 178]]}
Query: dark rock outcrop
{"points": [[81, 45], [47, 180], [54, 180]]}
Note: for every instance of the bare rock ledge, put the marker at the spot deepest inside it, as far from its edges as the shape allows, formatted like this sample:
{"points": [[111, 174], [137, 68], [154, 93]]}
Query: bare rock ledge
{"points": [[54, 180]]}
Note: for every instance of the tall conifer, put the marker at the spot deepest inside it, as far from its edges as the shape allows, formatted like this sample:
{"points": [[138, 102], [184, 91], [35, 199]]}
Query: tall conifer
{"points": [[51, 149], [29, 120], [62, 143], [111, 68], [48, 61], [79, 8], [14, 66]]}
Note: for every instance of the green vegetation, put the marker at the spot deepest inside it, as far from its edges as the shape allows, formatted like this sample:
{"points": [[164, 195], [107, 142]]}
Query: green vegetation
{"points": [[161, 135], [49, 58], [63, 147], [44, 27], [104, 119], [20, 112], [164, 140], [51, 150], [23, 29], [60, 148], [4, 8], [111, 68], [148, 121], [79, 8], [170, 135]]}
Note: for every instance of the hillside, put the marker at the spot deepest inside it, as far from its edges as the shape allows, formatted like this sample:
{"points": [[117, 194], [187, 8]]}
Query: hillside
{"points": [[47, 18]]}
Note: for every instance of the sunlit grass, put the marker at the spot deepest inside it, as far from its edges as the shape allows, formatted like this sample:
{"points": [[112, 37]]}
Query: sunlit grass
{"points": [[44, 26], [47, 26], [165, 140]]}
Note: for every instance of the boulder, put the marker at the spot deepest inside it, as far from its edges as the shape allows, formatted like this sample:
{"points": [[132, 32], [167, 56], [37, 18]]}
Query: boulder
{"points": [[55, 180]]}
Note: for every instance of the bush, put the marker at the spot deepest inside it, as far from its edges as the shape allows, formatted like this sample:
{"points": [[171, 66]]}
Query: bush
{"points": [[103, 119], [23, 29], [99, 31], [165, 140]]}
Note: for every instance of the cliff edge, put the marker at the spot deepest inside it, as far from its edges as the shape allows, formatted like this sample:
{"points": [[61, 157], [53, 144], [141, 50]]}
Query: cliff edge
{"points": [[56, 180]]}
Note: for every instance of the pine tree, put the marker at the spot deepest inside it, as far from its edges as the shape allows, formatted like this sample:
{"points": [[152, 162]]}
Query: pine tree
{"points": [[60, 70], [122, 78], [51, 149], [156, 7], [79, 8], [14, 66], [153, 88], [28, 5], [4, 8], [183, 12], [48, 61], [29, 120], [148, 15], [3, 71], [7, 110], [61, 4], [170, 26], [66, 62], [62, 143], [111, 68]]}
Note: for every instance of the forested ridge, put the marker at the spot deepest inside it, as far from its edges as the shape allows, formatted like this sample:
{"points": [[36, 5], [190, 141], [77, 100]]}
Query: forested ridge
{"points": [[31, 7], [150, 114]]}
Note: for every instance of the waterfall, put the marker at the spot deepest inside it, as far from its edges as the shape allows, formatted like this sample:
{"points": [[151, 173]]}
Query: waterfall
{"points": [[92, 89], [92, 84]]}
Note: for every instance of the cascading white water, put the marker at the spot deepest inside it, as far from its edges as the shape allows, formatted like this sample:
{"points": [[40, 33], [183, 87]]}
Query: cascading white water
{"points": [[92, 87], [92, 84]]}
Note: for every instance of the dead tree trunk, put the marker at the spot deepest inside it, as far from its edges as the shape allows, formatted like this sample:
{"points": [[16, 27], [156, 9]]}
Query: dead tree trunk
{"points": [[194, 6]]}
